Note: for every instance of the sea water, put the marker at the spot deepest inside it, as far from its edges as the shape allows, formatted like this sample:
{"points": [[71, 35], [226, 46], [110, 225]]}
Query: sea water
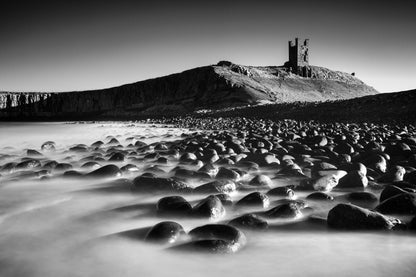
{"points": [[65, 227]]}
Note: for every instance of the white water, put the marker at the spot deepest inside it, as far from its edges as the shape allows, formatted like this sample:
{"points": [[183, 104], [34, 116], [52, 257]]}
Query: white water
{"points": [[60, 227]]}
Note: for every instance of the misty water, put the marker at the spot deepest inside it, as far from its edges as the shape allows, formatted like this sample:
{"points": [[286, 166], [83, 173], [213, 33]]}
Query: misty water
{"points": [[66, 227]]}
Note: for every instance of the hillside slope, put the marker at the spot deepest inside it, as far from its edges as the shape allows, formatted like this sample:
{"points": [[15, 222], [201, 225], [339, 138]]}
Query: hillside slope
{"points": [[384, 107], [222, 85]]}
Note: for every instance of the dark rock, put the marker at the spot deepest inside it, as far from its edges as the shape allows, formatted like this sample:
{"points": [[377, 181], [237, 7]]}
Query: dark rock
{"points": [[249, 221], [33, 153], [362, 196], [224, 198], [254, 199], [282, 191], [210, 207], [119, 157], [390, 191], [105, 172], [219, 186], [173, 205], [225, 173], [320, 196], [165, 232], [354, 179], [394, 174], [288, 210], [28, 164], [63, 166], [129, 168], [261, 181], [404, 203], [155, 184], [351, 217], [48, 146]]}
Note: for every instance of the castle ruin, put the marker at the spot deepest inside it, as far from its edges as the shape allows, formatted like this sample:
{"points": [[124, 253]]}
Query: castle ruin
{"points": [[299, 57]]}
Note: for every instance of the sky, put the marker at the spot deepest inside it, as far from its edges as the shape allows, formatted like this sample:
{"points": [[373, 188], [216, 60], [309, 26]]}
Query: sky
{"points": [[61, 45]]}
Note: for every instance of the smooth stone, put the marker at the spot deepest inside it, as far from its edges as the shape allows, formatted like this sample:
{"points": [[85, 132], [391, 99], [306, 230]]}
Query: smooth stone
{"points": [[118, 157], [362, 196], [215, 238], [209, 169], [155, 184], [129, 168], [249, 221], [33, 153], [48, 146], [320, 196], [173, 205], [218, 186], [105, 172], [91, 165], [261, 181], [390, 191], [287, 210], [165, 232], [225, 173], [354, 179], [394, 174], [282, 191], [210, 207], [352, 217], [28, 164], [63, 167], [402, 204], [254, 199], [225, 199], [325, 183]]}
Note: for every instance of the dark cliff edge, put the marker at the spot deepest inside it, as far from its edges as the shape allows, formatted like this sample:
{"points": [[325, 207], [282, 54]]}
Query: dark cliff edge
{"points": [[217, 86]]}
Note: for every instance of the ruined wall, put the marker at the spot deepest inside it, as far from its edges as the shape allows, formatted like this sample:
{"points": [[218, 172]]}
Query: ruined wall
{"points": [[299, 57]]}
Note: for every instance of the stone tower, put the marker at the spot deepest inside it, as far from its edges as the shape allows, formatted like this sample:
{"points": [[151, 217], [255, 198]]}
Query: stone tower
{"points": [[299, 57]]}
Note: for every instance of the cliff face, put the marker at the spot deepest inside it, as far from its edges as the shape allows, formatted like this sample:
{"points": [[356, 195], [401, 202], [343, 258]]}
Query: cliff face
{"points": [[222, 85]]}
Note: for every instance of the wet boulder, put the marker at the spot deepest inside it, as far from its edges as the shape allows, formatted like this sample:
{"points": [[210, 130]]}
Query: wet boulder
{"points": [[394, 174], [156, 184], [218, 186], [117, 157], [362, 196], [390, 191], [173, 205], [33, 153], [257, 199], [404, 203], [215, 238], [282, 191], [210, 207], [48, 146], [105, 172], [249, 221], [261, 181], [320, 196], [352, 217], [165, 232], [225, 199], [354, 179], [287, 210], [225, 173], [28, 164]]}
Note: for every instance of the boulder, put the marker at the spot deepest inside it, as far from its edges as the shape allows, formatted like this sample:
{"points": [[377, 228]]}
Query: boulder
{"points": [[404, 203], [210, 207], [165, 232], [155, 184], [352, 217]]}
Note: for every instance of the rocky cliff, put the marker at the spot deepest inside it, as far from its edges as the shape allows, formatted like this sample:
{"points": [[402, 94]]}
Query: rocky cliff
{"points": [[222, 85]]}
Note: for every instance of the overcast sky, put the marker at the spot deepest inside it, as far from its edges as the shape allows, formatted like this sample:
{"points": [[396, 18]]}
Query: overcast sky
{"points": [[78, 45]]}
